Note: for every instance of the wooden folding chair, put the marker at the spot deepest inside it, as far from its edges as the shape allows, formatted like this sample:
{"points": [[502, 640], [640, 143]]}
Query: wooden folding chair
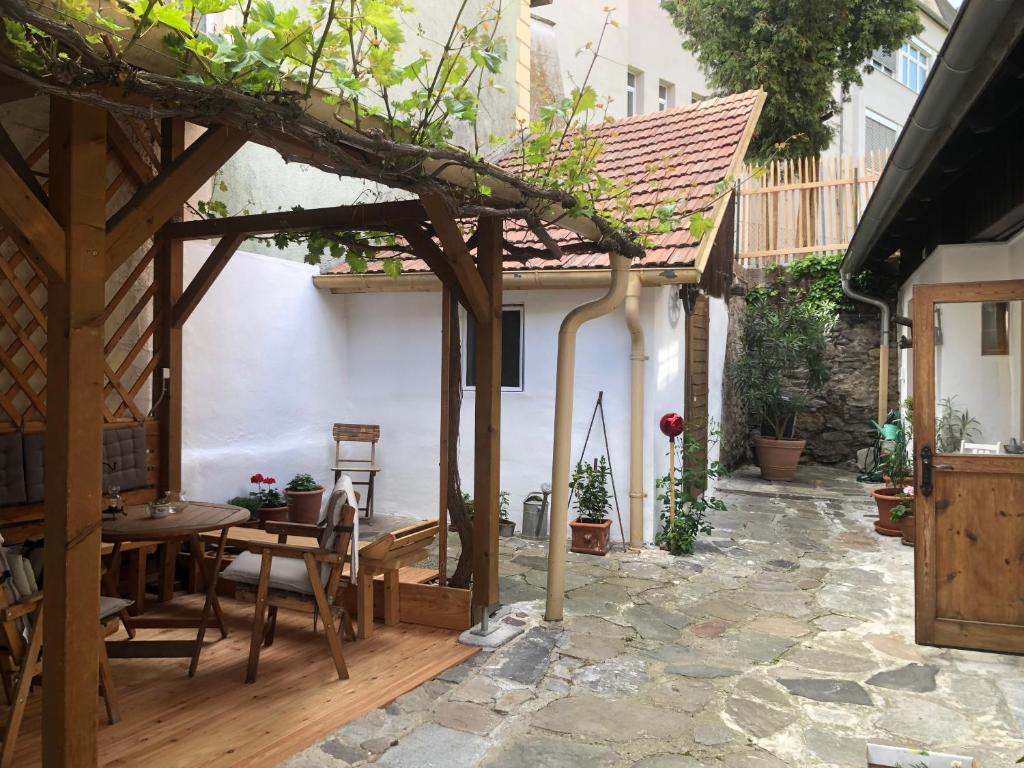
{"points": [[308, 579], [24, 658], [359, 465]]}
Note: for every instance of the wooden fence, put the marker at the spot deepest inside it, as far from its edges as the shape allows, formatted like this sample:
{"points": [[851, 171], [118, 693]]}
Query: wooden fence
{"points": [[791, 208]]}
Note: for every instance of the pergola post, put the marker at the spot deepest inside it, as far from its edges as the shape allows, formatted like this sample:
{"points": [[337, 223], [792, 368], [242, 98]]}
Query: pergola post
{"points": [[168, 269], [487, 440], [74, 455], [443, 469]]}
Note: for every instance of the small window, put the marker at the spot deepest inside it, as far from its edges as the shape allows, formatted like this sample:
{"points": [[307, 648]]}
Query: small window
{"points": [[512, 318], [884, 62], [913, 67], [995, 328], [666, 96], [632, 93], [879, 133]]}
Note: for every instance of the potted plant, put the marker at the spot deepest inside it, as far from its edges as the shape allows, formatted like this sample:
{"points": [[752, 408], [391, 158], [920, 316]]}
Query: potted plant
{"points": [[781, 360], [898, 471], [590, 529], [903, 514], [271, 505], [506, 525], [304, 496]]}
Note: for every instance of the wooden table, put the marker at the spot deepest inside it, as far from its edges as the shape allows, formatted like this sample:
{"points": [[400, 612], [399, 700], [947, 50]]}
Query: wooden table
{"points": [[195, 519]]}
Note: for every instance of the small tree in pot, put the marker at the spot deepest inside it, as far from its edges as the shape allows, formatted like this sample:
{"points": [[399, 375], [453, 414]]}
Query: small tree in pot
{"points": [[590, 529], [304, 497], [506, 525], [780, 362]]}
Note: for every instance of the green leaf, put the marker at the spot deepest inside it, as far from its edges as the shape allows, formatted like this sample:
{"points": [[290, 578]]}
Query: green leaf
{"points": [[392, 267], [380, 16], [700, 225], [173, 17]]}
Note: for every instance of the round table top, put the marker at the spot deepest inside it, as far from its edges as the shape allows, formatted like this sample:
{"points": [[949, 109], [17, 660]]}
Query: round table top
{"points": [[196, 517]]}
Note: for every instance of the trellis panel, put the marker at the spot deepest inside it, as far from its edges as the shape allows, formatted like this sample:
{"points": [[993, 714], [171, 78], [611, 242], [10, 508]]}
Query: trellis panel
{"points": [[129, 318]]}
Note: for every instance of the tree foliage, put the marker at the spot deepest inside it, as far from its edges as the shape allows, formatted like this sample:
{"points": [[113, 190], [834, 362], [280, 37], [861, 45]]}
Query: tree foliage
{"points": [[798, 51]]}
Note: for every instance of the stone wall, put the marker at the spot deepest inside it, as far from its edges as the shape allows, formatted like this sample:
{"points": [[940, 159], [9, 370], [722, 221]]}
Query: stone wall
{"points": [[838, 422]]}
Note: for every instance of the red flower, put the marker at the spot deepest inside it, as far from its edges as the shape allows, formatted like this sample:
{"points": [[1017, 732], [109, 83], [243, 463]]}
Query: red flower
{"points": [[257, 478], [269, 480]]}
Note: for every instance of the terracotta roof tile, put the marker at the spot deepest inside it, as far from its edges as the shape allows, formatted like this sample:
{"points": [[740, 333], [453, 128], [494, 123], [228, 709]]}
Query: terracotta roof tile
{"points": [[682, 154]]}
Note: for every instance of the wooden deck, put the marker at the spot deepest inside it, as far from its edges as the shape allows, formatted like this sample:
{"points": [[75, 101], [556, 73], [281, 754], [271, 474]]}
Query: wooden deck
{"points": [[215, 720]]}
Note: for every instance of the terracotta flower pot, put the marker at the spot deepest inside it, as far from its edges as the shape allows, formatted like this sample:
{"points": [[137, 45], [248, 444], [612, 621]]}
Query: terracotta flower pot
{"points": [[886, 500], [590, 538], [778, 459], [304, 506], [909, 530], [272, 514]]}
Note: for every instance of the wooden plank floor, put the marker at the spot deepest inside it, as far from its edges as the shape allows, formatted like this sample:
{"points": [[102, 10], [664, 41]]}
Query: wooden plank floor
{"points": [[215, 720]]}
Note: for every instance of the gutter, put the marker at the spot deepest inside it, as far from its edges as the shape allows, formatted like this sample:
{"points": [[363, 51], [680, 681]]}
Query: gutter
{"points": [[979, 40], [883, 345], [512, 280], [564, 380]]}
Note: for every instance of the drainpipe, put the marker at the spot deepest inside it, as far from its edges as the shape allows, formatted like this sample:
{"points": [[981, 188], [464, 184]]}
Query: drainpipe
{"points": [[637, 357], [883, 347], [563, 428]]}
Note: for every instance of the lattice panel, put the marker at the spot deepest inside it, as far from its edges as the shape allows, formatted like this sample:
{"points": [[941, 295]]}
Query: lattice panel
{"points": [[130, 319]]}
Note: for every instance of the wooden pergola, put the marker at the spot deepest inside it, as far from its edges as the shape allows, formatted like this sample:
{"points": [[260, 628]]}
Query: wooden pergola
{"points": [[93, 227]]}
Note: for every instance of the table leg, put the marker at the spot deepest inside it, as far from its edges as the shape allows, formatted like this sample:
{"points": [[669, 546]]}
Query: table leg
{"points": [[110, 584], [202, 575], [364, 604], [210, 574]]}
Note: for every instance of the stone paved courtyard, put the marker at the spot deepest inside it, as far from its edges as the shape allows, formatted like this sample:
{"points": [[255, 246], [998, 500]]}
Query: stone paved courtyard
{"points": [[786, 640]]}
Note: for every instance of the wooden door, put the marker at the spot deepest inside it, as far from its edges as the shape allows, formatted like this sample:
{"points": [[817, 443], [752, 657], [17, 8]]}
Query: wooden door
{"points": [[969, 506]]}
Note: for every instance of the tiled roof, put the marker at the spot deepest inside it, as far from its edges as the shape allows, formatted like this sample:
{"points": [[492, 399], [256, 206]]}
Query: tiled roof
{"points": [[682, 154]]}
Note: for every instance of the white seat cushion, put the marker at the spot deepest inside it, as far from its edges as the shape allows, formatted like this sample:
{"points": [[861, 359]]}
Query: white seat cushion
{"points": [[111, 605], [286, 573]]}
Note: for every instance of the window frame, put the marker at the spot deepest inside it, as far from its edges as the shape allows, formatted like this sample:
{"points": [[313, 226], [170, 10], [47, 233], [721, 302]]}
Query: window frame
{"points": [[634, 92], [465, 317], [1001, 344], [669, 99], [885, 122]]}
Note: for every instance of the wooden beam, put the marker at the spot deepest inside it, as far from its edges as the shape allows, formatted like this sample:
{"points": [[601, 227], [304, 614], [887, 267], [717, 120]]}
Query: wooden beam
{"points": [[123, 148], [426, 249], [207, 274], [457, 253], [383, 216], [487, 433], [168, 280], [9, 152], [26, 220], [156, 202], [74, 455], [443, 468]]}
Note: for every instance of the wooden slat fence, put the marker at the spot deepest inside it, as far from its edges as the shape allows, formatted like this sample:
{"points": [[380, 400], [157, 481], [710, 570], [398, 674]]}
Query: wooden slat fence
{"points": [[792, 208]]}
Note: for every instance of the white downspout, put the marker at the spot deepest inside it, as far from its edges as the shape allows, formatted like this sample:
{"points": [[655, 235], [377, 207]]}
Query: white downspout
{"points": [[563, 428], [637, 358]]}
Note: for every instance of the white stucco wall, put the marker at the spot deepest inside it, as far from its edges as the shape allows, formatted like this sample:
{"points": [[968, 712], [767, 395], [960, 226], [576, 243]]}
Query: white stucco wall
{"points": [[988, 386], [271, 363], [265, 376]]}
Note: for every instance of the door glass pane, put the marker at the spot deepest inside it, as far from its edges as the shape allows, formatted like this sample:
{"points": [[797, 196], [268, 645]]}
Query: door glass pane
{"points": [[978, 370]]}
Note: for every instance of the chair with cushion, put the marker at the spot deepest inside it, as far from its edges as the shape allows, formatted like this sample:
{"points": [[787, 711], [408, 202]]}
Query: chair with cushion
{"points": [[282, 575], [21, 642]]}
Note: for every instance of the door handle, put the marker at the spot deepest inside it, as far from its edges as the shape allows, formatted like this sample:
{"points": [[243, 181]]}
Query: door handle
{"points": [[926, 471]]}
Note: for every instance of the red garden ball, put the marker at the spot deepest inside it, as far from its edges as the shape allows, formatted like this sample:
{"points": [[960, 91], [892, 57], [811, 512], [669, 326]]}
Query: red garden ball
{"points": [[672, 424]]}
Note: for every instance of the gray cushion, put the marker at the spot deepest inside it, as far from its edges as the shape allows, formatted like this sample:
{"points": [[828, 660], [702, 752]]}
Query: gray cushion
{"points": [[286, 573], [124, 456], [111, 605], [12, 469], [35, 456]]}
